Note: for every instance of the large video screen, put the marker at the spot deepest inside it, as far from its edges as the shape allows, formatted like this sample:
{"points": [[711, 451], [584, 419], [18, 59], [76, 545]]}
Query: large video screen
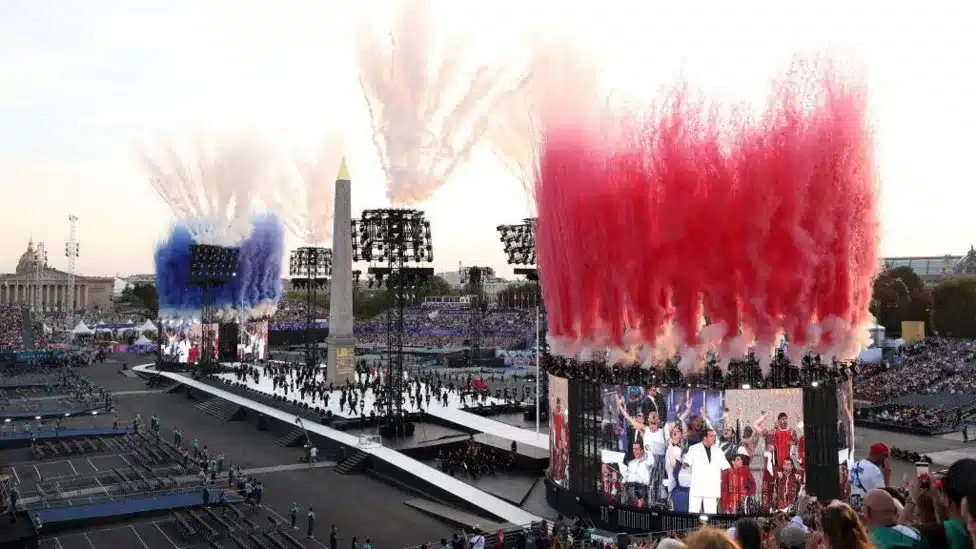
{"points": [[181, 341], [702, 451], [254, 341], [558, 430]]}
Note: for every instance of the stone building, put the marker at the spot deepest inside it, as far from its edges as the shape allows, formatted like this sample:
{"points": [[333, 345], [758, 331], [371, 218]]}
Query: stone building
{"points": [[51, 286]]}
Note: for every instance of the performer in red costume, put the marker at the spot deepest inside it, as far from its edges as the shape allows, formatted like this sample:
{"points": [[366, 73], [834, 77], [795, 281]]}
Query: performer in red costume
{"points": [[768, 476], [785, 436], [789, 480], [738, 485], [194, 354], [557, 440]]}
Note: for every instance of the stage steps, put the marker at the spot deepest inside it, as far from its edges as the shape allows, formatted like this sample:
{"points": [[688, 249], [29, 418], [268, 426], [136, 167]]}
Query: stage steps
{"points": [[221, 409], [353, 464], [294, 437]]}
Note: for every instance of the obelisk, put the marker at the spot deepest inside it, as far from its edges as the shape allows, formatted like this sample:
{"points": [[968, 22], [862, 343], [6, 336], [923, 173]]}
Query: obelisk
{"points": [[342, 341]]}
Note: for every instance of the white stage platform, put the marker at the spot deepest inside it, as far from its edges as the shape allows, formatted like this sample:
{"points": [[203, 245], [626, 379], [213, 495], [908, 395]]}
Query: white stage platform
{"points": [[266, 386], [489, 503], [490, 427]]}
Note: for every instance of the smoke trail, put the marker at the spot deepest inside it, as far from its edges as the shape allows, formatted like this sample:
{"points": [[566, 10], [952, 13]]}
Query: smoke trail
{"points": [[256, 289], [420, 132], [212, 187], [303, 197]]}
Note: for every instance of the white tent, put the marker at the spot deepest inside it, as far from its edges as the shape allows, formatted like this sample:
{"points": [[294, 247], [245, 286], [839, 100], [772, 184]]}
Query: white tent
{"points": [[147, 326], [143, 341], [47, 329], [81, 329]]}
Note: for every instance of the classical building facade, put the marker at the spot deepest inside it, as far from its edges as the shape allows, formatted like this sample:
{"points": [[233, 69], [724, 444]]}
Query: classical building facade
{"points": [[933, 269], [49, 288]]}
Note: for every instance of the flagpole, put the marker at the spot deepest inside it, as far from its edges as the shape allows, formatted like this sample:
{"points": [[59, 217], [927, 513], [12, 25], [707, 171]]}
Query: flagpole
{"points": [[538, 352]]}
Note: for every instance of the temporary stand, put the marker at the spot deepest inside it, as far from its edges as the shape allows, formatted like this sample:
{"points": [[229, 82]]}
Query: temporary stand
{"points": [[396, 238]]}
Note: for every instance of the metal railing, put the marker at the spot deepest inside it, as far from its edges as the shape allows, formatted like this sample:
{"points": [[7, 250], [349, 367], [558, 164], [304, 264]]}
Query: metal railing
{"points": [[108, 494]]}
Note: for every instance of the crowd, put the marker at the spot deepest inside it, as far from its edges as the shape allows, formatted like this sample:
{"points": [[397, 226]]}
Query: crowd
{"points": [[930, 511], [11, 327], [451, 328], [296, 311], [911, 416], [474, 460], [931, 366]]}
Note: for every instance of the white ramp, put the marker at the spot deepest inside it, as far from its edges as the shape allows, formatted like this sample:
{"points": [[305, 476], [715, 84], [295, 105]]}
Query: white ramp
{"points": [[490, 426], [491, 504]]}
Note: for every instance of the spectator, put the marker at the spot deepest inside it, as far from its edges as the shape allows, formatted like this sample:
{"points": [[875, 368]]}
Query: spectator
{"points": [[841, 529], [959, 481], [748, 535], [881, 513], [709, 538]]}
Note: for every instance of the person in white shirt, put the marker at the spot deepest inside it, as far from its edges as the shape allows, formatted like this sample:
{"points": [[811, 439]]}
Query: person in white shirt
{"points": [[313, 455], [637, 474], [478, 541], [870, 473], [706, 462]]}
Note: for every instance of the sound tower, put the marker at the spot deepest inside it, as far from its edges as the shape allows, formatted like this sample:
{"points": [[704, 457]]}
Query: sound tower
{"points": [[585, 436], [820, 427], [227, 337]]}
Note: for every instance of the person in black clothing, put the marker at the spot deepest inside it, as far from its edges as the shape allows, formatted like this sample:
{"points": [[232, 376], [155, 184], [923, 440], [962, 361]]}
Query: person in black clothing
{"points": [[457, 542], [333, 538]]}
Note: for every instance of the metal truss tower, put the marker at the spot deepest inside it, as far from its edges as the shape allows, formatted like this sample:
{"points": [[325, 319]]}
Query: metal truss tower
{"points": [[71, 250], [38, 264]]}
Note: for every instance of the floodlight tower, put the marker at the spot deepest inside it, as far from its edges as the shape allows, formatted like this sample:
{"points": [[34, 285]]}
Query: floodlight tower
{"points": [[474, 279], [310, 269], [396, 238], [519, 243], [211, 267], [71, 251]]}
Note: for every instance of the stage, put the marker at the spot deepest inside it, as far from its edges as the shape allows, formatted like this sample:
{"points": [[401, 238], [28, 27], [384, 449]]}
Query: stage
{"points": [[266, 386], [488, 503]]}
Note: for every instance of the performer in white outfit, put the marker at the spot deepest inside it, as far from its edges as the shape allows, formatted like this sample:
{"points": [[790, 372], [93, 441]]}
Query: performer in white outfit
{"points": [[637, 475], [655, 445], [706, 462]]}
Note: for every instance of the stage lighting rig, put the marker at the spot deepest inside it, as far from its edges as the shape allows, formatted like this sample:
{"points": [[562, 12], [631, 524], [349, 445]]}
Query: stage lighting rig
{"points": [[211, 267], [473, 279], [394, 241], [310, 269], [518, 242]]}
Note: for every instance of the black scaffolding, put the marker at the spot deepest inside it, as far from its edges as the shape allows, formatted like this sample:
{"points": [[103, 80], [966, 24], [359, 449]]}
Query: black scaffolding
{"points": [[394, 241], [211, 267], [310, 269], [519, 245]]}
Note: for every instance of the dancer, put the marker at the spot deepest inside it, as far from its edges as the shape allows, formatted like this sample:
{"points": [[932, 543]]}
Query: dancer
{"points": [[655, 445], [789, 481], [706, 463], [738, 485]]}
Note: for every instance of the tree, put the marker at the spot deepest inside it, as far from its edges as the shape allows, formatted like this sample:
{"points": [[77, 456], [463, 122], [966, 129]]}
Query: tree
{"points": [[435, 286], [519, 294], [954, 307], [899, 295], [141, 296]]}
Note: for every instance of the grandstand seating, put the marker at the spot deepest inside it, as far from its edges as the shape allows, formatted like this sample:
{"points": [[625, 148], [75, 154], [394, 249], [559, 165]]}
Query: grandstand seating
{"points": [[224, 410]]}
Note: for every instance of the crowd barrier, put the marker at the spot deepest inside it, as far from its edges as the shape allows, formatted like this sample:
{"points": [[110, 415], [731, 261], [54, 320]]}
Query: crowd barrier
{"points": [[37, 356], [184, 497]]}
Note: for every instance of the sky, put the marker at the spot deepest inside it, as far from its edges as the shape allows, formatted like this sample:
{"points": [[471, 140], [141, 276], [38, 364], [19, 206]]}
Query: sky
{"points": [[83, 83]]}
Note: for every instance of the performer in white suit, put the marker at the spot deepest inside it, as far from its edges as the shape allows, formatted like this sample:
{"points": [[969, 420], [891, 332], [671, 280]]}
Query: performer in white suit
{"points": [[706, 462]]}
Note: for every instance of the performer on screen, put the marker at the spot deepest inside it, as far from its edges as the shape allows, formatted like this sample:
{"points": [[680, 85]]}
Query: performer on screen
{"points": [[730, 439], [557, 439], [655, 446], [785, 438], [789, 480], [768, 477], [706, 462], [637, 476], [610, 483], [738, 485], [679, 478]]}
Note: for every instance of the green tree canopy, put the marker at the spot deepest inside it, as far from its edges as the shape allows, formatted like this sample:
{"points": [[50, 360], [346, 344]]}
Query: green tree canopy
{"points": [[899, 295], [954, 307], [519, 293]]}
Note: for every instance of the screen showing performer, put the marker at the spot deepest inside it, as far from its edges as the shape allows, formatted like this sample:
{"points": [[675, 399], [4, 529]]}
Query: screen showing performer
{"points": [[254, 341], [702, 451], [181, 341], [558, 430]]}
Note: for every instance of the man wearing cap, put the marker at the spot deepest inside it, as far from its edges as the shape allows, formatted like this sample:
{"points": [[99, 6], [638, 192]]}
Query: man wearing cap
{"points": [[870, 473], [738, 484]]}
